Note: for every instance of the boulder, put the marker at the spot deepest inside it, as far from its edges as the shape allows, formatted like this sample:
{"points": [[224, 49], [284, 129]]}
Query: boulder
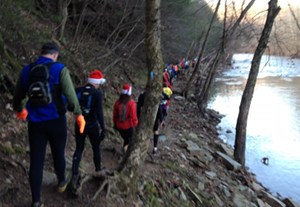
{"points": [[193, 136], [229, 162], [225, 149], [240, 200], [290, 203], [257, 187], [211, 175], [260, 203], [192, 147], [271, 200]]}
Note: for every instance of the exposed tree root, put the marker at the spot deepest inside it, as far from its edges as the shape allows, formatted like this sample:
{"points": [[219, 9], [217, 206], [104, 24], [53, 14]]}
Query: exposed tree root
{"points": [[106, 182]]}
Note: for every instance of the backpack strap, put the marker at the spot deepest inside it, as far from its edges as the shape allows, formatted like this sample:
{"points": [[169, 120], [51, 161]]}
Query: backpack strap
{"points": [[89, 101]]}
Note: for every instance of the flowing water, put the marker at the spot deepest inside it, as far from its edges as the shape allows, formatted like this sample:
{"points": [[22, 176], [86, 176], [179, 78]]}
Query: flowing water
{"points": [[273, 128]]}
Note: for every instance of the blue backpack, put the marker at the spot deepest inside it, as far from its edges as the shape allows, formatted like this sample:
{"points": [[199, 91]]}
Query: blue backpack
{"points": [[85, 100]]}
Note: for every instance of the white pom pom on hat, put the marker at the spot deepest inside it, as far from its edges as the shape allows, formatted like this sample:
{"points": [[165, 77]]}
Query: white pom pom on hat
{"points": [[127, 89]]}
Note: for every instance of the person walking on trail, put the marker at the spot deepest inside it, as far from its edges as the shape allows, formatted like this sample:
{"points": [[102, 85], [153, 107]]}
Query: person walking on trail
{"points": [[90, 99], [167, 93], [124, 115], [48, 86], [160, 116]]}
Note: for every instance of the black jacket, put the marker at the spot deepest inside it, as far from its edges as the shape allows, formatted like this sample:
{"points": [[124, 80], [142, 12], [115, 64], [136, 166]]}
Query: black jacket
{"points": [[96, 108]]}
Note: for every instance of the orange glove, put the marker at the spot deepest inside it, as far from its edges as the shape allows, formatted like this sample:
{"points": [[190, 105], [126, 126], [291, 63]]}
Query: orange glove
{"points": [[81, 123], [22, 115]]}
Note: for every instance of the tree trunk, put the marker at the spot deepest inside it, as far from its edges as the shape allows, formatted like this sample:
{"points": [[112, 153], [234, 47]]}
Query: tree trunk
{"points": [[137, 152], [227, 40], [241, 126], [64, 13], [196, 69]]}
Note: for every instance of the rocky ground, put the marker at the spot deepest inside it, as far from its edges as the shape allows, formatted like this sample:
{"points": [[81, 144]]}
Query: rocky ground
{"points": [[193, 167]]}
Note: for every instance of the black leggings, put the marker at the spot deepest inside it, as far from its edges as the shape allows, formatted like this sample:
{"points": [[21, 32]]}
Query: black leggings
{"points": [[126, 135], [94, 136], [54, 131], [155, 131]]}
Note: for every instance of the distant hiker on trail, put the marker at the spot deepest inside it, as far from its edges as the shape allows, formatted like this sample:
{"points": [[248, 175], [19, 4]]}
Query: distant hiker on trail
{"points": [[47, 84], [160, 116], [167, 78], [167, 93], [124, 115], [90, 99]]}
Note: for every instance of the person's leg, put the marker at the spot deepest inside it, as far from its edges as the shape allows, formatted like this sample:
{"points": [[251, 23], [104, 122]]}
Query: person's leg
{"points": [[57, 140], [127, 137], [37, 144], [155, 136], [94, 136], [80, 142]]}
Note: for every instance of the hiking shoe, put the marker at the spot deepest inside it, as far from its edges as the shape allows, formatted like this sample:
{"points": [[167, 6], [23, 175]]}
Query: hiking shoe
{"points": [[155, 151], [75, 181], [37, 204], [62, 186], [100, 173]]}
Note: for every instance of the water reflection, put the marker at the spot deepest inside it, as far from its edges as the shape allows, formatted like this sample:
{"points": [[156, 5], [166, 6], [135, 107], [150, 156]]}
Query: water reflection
{"points": [[273, 124]]}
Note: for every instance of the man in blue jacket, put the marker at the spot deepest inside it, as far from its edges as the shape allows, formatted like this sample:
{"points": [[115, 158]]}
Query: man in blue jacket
{"points": [[47, 122]]}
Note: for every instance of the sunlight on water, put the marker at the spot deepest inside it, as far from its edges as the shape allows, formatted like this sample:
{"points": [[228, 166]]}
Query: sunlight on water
{"points": [[274, 119]]}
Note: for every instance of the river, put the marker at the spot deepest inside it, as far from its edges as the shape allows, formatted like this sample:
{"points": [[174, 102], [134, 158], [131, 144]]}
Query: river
{"points": [[273, 128]]}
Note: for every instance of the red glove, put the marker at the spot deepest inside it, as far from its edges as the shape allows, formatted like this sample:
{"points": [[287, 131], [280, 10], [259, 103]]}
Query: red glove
{"points": [[22, 115], [81, 123]]}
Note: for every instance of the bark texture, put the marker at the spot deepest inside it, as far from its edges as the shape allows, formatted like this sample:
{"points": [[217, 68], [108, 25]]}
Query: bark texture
{"points": [[137, 152], [241, 126]]}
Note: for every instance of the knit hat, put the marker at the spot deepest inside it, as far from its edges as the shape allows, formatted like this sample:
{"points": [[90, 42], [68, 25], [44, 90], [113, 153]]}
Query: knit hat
{"points": [[49, 48], [127, 89], [96, 77]]}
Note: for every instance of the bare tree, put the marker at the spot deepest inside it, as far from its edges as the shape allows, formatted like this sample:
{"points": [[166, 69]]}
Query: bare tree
{"points": [[138, 150], [64, 14], [196, 69], [226, 42], [241, 126]]}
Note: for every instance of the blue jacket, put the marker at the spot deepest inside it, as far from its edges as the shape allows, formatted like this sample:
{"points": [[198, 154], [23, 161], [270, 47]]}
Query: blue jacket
{"points": [[48, 112]]}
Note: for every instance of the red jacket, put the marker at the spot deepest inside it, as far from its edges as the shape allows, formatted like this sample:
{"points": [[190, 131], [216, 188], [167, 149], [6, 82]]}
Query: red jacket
{"points": [[130, 117]]}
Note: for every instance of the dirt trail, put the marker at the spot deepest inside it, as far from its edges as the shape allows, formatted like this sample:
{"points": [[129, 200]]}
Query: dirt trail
{"points": [[180, 120]]}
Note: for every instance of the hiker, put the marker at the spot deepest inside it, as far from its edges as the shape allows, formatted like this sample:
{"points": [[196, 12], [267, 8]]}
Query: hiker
{"points": [[167, 93], [47, 84], [167, 78], [160, 116], [90, 99], [124, 116]]}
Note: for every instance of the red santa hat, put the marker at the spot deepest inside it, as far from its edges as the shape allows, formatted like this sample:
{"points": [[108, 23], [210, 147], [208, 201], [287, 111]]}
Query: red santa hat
{"points": [[96, 77], [127, 89]]}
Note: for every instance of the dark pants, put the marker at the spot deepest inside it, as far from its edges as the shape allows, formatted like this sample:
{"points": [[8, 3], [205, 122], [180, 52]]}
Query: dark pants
{"points": [[54, 131], [126, 135], [94, 136], [155, 130]]}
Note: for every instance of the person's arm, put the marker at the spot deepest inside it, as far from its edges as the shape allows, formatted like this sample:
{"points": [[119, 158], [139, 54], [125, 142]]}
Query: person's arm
{"points": [[160, 114], [140, 104], [134, 119], [99, 110], [19, 96], [115, 115], [68, 91]]}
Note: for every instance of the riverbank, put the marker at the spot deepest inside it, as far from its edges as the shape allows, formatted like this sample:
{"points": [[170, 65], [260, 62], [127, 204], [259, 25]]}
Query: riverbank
{"points": [[193, 168], [271, 132]]}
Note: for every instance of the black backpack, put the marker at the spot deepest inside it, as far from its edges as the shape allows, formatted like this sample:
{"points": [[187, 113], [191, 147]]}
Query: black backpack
{"points": [[39, 91], [85, 100]]}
